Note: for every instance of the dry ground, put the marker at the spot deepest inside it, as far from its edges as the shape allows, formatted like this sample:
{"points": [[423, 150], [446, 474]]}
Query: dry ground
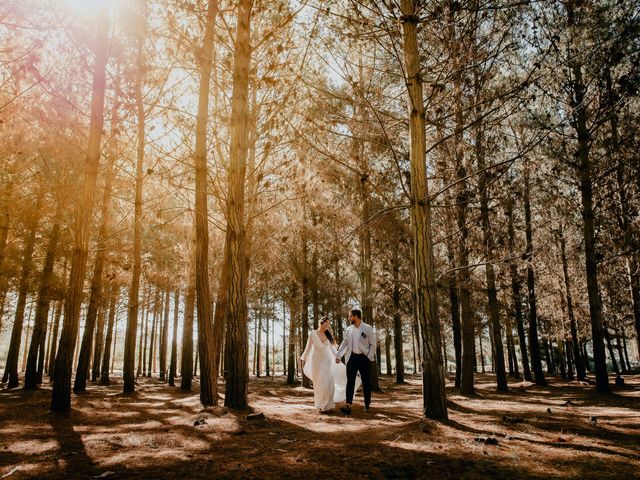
{"points": [[152, 435]]}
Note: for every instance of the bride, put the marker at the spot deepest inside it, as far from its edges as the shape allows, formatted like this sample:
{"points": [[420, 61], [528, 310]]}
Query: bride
{"points": [[318, 362]]}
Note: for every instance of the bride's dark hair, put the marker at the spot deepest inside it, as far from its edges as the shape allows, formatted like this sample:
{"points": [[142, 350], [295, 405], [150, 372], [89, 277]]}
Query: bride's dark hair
{"points": [[327, 332]]}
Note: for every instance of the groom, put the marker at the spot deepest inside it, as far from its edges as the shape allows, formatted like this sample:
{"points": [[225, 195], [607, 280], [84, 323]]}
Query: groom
{"points": [[359, 345]]}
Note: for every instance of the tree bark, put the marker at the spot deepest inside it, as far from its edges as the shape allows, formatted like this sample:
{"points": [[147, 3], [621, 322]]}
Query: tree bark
{"points": [[573, 325], [624, 210], [106, 356], [11, 368], [304, 317], [128, 366], [462, 200], [236, 348], [152, 337], [98, 344], [614, 362], [434, 398], [490, 276], [266, 350], [95, 297], [580, 118], [144, 334], [534, 344], [510, 342], [61, 395], [206, 342], [33, 374], [516, 296], [173, 365], [54, 333], [5, 207], [397, 320], [568, 348], [258, 350], [291, 360], [164, 336], [186, 360]]}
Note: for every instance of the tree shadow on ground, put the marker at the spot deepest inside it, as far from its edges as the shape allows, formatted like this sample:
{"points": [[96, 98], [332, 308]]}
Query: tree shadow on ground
{"points": [[156, 434]]}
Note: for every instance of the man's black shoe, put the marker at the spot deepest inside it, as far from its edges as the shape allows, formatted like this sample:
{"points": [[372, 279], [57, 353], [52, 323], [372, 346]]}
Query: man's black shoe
{"points": [[346, 410]]}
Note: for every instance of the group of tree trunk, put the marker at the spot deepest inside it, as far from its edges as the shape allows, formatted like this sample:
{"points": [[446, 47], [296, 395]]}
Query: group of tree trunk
{"points": [[473, 188]]}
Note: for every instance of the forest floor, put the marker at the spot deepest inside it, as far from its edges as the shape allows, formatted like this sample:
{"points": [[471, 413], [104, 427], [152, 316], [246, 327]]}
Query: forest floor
{"points": [[161, 432]]}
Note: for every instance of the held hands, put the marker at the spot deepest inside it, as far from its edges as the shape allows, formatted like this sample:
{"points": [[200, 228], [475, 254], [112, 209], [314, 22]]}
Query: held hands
{"points": [[337, 360]]}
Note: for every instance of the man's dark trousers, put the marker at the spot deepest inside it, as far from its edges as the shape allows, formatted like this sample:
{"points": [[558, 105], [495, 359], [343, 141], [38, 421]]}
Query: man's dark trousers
{"points": [[359, 362]]}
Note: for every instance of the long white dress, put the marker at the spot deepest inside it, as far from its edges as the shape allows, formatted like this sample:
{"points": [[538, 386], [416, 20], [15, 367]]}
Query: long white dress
{"points": [[329, 378]]}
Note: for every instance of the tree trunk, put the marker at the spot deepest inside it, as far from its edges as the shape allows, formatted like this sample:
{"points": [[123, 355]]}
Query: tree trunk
{"points": [[284, 338], [151, 365], [513, 362], [144, 334], [173, 364], [208, 364], [548, 356], [219, 316], [580, 117], [54, 334], [585, 354], [33, 375], [50, 339], [568, 348], [517, 296], [397, 320], [623, 365], [625, 211], [591, 263], [236, 347], [164, 337], [95, 297], [434, 397], [304, 317], [206, 343], [186, 360], [258, 349], [366, 264], [11, 368], [510, 357], [25, 349], [495, 330], [534, 344], [128, 366], [624, 348], [106, 355], [98, 345], [573, 325], [115, 343], [561, 358], [481, 349], [607, 337], [387, 350], [266, 350], [454, 300], [291, 360], [61, 395], [5, 208]]}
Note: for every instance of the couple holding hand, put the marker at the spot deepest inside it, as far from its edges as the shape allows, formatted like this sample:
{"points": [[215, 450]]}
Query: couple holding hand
{"points": [[333, 381]]}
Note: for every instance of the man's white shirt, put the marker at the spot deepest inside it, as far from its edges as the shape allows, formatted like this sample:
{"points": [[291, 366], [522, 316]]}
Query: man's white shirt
{"points": [[355, 338], [358, 340]]}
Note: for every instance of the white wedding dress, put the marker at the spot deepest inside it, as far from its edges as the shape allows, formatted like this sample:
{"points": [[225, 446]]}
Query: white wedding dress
{"points": [[329, 378]]}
